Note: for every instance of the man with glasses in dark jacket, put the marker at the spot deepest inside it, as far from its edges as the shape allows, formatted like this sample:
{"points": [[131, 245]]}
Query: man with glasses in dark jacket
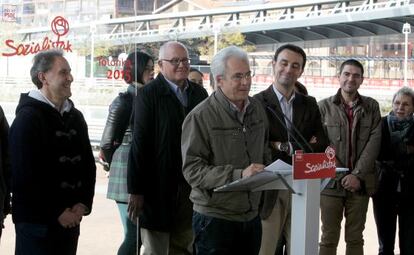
{"points": [[158, 192]]}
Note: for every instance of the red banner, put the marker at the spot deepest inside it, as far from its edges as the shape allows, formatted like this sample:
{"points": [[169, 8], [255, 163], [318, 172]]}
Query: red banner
{"points": [[314, 165]]}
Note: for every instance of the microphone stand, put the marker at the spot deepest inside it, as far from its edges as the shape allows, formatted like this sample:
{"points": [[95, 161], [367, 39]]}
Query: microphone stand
{"points": [[291, 134]]}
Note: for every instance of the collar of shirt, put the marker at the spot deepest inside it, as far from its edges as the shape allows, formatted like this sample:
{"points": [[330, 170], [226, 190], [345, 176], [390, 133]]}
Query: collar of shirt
{"points": [[286, 106], [236, 110], [351, 106], [38, 95], [180, 94], [353, 103], [281, 97]]}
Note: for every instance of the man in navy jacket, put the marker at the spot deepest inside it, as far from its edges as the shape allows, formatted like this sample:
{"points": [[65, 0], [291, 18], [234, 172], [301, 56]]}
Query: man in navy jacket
{"points": [[53, 168]]}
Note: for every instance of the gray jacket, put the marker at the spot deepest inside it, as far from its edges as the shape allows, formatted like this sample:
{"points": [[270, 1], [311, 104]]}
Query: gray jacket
{"points": [[365, 140], [216, 148]]}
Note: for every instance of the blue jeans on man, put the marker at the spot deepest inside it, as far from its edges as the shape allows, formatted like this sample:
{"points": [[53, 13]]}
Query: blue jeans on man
{"points": [[219, 236]]}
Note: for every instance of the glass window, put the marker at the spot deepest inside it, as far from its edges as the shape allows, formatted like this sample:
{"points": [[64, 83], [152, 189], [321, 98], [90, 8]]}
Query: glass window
{"points": [[28, 8], [146, 5]]}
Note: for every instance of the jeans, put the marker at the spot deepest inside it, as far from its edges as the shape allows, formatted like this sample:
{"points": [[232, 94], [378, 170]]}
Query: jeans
{"points": [[39, 239], [129, 245], [219, 236]]}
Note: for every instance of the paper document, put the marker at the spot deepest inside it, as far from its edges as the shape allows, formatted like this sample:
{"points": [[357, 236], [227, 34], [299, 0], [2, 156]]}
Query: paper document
{"points": [[279, 166], [272, 172]]}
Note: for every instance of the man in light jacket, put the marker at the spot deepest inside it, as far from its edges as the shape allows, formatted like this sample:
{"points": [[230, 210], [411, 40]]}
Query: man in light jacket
{"points": [[224, 139], [352, 124]]}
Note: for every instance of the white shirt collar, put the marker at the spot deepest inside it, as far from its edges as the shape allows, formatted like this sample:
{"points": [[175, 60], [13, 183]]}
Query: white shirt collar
{"points": [[38, 95], [280, 96]]}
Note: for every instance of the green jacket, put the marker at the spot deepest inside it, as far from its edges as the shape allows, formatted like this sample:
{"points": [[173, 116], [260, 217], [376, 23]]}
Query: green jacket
{"points": [[216, 148], [365, 140]]}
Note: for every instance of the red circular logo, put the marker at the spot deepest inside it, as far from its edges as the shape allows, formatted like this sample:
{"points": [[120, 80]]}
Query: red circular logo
{"points": [[60, 26], [330, 152]]}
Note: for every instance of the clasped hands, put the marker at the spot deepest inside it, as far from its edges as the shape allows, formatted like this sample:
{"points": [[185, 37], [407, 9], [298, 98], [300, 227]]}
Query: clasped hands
{"points": [[351, 183], [71, 217]]}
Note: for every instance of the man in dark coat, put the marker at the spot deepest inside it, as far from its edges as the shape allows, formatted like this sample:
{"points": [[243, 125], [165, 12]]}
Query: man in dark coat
{"points": [[4, 169], [53, 168], [295, 124], [155, 180]]}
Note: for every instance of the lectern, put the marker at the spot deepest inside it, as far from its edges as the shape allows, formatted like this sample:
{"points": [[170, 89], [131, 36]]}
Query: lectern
{"points": [[304, 181]]}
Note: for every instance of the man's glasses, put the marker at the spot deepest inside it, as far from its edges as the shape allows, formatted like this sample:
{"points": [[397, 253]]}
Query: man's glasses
{"points": [[177, 61], [240, 76]]}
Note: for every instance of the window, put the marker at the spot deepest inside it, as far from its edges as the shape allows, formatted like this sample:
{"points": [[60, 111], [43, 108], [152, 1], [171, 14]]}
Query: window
{"points": [[146, 5], [28, 8], [125, 4]]}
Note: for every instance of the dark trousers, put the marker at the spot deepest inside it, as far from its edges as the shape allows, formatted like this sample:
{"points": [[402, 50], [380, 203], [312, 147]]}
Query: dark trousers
{"points": [[218, 236], [387, 206], [38, 239]]}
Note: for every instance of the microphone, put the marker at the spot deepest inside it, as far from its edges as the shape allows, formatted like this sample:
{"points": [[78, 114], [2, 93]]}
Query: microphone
{"points": [[291, 134]]}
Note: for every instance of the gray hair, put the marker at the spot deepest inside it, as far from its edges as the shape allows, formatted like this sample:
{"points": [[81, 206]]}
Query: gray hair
{"points": [[404, 91], [161, 53], [218, 64], [43, 62]]}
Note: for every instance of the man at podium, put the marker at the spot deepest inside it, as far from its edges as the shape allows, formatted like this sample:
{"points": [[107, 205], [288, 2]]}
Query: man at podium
{"points": [[225, 138]]}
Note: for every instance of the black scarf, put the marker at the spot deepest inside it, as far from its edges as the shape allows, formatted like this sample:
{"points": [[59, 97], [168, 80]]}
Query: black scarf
{"points": [[399, 129]]}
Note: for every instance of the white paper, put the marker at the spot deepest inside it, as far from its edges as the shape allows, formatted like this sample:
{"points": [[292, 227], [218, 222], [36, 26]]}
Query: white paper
{"points": [[269, 174]]}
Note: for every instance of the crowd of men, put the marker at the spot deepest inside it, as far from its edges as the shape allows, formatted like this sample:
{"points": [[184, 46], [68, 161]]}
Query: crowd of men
{"points": [[185, 144]]}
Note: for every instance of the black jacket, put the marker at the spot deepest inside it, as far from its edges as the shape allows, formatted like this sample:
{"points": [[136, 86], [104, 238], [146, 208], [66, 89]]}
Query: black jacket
{"points": [[155, 164], [4, 167], [52, 164], [306, 119], [395, 164], [117, 123]]}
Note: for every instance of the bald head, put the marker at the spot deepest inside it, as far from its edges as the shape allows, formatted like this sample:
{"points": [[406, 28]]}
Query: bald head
{"points": [[166, 47], [174, 62]]}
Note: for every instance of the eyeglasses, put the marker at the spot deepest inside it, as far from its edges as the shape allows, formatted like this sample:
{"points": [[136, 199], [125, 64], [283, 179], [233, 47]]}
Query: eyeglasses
{"points": [[177, 61], [239, 76]]}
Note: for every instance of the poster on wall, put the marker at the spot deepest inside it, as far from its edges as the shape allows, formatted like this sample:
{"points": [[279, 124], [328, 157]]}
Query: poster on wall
{"points": [[9, 13]]}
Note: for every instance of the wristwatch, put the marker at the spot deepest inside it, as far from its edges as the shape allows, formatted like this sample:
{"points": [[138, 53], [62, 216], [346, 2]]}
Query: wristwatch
{"points": [[284, 147]]}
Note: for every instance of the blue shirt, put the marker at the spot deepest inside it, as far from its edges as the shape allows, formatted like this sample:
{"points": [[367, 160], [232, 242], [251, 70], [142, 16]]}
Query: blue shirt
{"points": [[180, 94]]}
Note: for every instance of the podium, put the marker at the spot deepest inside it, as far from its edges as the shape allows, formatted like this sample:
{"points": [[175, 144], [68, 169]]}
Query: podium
{"points": [[305, 194]]}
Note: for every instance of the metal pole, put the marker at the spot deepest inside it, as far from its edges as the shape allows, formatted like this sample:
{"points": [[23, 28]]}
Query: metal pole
{"points": [[92, 30], [215, 42], [406, 30], [405, 59], [216, 30], [92, 54]]}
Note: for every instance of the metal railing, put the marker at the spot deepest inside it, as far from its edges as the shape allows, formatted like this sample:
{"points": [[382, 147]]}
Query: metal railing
{"points": [[253, 18]]}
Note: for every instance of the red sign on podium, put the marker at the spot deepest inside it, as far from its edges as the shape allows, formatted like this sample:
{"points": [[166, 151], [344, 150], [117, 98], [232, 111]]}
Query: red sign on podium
{"points": [[314, 165]]}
